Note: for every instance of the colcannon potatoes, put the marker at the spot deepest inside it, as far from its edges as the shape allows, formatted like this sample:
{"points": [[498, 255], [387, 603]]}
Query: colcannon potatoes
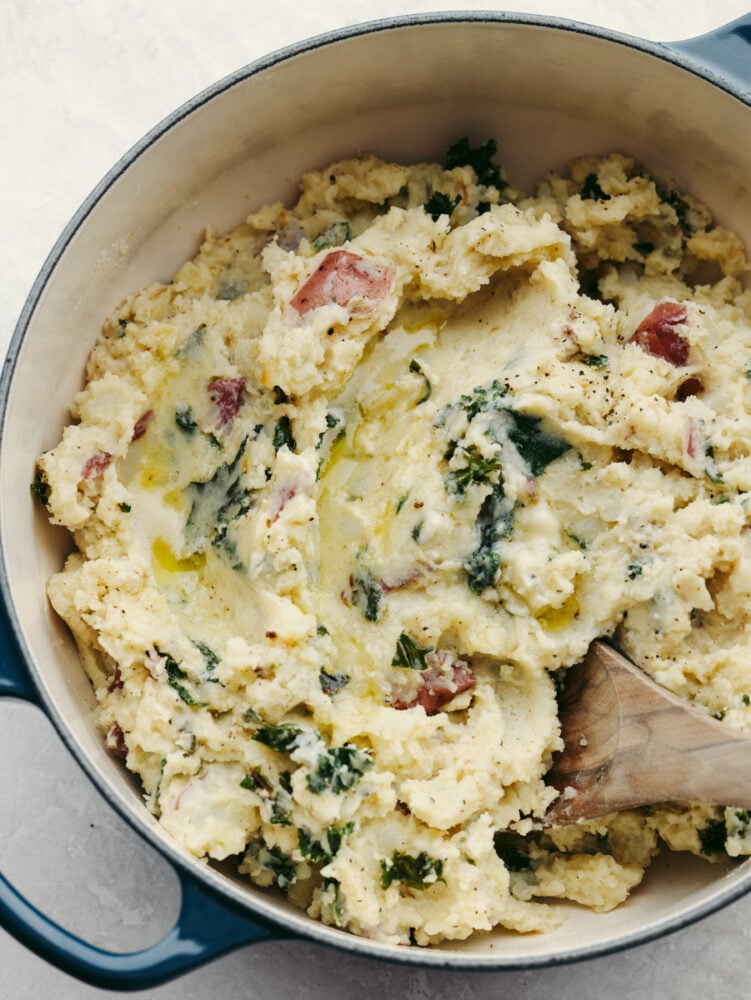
{"points": [[351, 492]]}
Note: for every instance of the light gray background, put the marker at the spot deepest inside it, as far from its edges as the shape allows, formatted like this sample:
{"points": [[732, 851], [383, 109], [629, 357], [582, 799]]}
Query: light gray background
{"points": [[80, 82]]}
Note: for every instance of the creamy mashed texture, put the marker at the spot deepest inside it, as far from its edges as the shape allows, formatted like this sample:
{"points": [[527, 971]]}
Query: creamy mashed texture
{"points": [[352, 490]]}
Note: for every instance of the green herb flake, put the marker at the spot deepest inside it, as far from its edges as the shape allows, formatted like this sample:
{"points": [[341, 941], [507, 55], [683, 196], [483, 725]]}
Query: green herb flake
{"points": [[283, 737], [416, 872], [124, 507], [283, 434], [367, 595], [439, 204], [494, 523], [512, 856], [256, 781], [477, 469], [416, 369], [333, 236], [320, 853], [40, 488], [332, 682], [596, 360], [184, 418], [175, 678], [713, 474], [480, 158], [332, 896], [215, 504], [122, 326], [339, 769], [275, 861], [210, 658], [591, 190], [231, 288], [713, 836], [535, 445], [409, 654]]}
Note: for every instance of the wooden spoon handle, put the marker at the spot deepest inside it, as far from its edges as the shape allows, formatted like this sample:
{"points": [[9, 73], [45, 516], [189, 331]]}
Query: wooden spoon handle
{"points": [[629, 742]]}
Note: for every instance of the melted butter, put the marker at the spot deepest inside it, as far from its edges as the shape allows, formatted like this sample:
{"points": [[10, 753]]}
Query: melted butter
{"points": [[171, 563], [557, 619]]}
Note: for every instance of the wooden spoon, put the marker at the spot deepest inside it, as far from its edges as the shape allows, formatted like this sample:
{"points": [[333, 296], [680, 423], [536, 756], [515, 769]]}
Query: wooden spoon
{"points": [[628, 742]]}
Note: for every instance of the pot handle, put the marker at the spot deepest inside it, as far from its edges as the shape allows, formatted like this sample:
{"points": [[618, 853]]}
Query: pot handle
{"points": [[14, 680], [207, 926], [725, 50]]}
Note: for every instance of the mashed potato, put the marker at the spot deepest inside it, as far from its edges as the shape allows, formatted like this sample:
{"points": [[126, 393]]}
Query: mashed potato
{"points": [[352, 490]]}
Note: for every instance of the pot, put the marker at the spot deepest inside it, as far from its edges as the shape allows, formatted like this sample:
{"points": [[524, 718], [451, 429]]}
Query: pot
{"points": [[547, 90]]}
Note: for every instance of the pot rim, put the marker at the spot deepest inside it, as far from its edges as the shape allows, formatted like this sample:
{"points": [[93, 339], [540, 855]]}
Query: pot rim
{"points": [[435, 957]]}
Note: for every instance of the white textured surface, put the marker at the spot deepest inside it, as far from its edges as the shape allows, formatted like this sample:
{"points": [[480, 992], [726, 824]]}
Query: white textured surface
{"points": [[81, 81]]}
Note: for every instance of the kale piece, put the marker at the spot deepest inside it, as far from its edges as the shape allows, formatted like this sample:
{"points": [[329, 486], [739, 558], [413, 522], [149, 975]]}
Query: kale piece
{"points": [[439, 204], [409, 654], [480, 158], [417, 872], [339, 769]]}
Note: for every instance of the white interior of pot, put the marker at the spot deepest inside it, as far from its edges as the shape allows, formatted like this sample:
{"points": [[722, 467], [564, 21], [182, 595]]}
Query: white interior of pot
{"points": [[547, 94]]}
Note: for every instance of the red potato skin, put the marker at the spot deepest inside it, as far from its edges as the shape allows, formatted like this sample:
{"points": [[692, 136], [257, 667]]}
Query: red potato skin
{"points": [[225, 394], [96, 465], [437, 689], [656, 334], [341, 277]]}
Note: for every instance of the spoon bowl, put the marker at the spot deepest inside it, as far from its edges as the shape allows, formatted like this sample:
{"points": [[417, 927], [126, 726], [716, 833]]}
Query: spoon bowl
{"points": [[629, 742]]}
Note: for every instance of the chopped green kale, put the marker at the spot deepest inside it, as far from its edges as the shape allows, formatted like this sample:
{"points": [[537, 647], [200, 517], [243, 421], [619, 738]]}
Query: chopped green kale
{"points": [[713, 836], [439, 204], [367, 595], [679, 205], [339, 769], [477, 469], [175, 678], [283, 434], [591, 189], [713, 474], [276, 861], [333, 236], [332, 682], [231, 288], [283, 738], [332, 887], [214, 504], [536, 446], [40, 488], [184, 418], [493, 524], [409, 654], [480, 158], [280, 806], [210, 657], [508, 850], [317, 852], [416, 369], [481, 399], [418, 872]]}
